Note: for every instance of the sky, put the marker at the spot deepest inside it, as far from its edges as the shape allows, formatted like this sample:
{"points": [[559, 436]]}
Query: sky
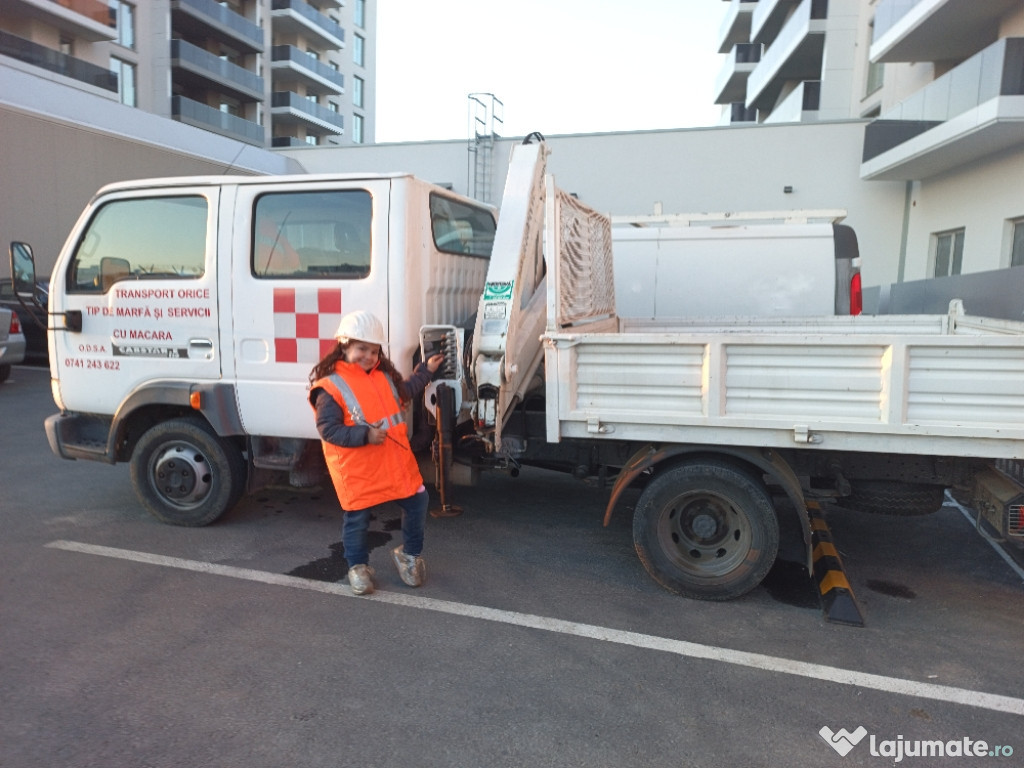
{"points": [[557, 66]]}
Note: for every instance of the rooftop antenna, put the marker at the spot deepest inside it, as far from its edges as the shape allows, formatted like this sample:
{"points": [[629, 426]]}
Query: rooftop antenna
{"points": [[486, 118]]}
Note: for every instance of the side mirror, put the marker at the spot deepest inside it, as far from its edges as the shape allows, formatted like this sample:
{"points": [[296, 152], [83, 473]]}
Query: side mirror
{"points": [[23, 270]]}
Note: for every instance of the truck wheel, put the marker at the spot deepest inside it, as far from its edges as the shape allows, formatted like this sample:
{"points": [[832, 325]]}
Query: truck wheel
{"points": [[5, 372], [706, 530], [891, 497], [185, 474]]}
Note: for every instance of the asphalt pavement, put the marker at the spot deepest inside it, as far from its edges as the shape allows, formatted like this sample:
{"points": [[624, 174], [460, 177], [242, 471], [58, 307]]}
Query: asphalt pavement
{"points": [[538, 639]]}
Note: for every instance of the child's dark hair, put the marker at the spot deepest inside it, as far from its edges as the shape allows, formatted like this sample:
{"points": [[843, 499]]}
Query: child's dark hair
{"points": [[326, 367]]}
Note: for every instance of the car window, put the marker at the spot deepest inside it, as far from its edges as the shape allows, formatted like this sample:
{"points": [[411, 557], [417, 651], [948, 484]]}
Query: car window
{"points": [[312, 235], [461, 228], [139, 239]]}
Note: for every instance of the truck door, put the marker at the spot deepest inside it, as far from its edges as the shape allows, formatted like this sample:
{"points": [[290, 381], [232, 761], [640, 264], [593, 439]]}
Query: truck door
{"points": [[305, 254], [142, 274]]}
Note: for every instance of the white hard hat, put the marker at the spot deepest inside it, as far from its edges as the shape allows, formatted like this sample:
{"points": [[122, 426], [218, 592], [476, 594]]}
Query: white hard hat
{"points": [[360, 326]]}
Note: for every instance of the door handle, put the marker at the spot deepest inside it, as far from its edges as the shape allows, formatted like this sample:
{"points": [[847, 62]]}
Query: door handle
{"points": [[202, 347]]}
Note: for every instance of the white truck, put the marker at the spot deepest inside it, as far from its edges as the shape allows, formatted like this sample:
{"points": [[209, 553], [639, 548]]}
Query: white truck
{"points": [[192, 310]]}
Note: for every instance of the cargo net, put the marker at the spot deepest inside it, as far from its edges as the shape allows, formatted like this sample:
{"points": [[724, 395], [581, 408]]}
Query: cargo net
{"points": [[586, 286]]}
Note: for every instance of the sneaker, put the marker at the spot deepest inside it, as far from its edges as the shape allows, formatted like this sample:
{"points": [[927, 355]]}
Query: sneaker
{"points": [[360, 579], [411, 568]]}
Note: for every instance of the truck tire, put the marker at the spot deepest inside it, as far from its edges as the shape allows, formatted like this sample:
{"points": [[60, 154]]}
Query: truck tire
{"points": [[706, 530], [5, 372], [186, 475], [894, 498]]}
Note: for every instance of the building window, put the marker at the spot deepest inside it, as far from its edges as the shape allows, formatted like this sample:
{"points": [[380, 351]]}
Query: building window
{"points": [[876, 77], [357, 92], [123, 17], [1017, 243], [876, 70], [948, 252], [359, 13], [359, 51], [311, 140], [125, 72], [357, 129]]}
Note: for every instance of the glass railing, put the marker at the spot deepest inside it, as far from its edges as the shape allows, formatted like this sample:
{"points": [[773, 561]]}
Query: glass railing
{"points": [[225, 17], [308, 12], [92, 9], [304, 105], [213, 119], [288, 141], [55, 61], [302, 59], [996, 71], [888, 13], [218, 68]]}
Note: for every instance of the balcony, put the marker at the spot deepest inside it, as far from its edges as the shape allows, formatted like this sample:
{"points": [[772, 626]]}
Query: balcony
{"points": [[54, 61], [199, 115], [768, 18], [801, 106], [795, 54], [206, 18], [88, 20], [731, 84], [935, 30], [300, 18], [198, 68], [291, 63], [290, 108], [736, 25], [974, 110]]}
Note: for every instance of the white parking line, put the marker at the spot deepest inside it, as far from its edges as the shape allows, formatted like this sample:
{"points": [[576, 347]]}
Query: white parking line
{"points": [[981, 532], [977, 699]]}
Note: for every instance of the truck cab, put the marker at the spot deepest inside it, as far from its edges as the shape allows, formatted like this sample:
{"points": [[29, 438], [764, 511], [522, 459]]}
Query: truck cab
{"points": [[190, 311]]}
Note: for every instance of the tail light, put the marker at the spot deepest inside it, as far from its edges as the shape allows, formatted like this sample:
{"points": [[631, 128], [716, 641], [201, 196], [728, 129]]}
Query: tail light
{"points": [[15, 324], [856, 295]]}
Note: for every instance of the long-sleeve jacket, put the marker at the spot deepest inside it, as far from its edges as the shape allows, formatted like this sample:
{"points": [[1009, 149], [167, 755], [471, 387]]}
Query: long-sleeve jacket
{"points": [[346, 404]]}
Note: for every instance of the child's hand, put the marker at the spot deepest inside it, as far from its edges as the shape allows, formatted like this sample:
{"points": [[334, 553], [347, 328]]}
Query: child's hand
{"points": [[434, 362], [375, 436]]}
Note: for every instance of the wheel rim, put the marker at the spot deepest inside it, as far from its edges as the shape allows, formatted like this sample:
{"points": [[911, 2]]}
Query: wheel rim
{"points": [[181, 475], [704, 534]]}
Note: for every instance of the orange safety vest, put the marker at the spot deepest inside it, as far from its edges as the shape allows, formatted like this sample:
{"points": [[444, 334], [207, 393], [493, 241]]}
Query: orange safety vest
{"points": [[370, 474]]}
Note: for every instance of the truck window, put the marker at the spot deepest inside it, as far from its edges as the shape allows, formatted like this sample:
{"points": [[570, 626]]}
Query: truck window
{"points": [[138, 239], [312, 235], [461, 228]]}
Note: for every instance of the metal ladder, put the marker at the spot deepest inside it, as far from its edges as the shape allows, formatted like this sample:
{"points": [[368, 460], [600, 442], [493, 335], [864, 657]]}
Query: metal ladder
{"points": [[485, 118]]}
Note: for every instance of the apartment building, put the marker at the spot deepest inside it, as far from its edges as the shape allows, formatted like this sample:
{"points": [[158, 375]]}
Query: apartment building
{"points": [[942, 82], [267, 73]]}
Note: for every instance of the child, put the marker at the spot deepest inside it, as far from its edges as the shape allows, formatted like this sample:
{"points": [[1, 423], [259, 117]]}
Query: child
{"points": [[358, 396]]}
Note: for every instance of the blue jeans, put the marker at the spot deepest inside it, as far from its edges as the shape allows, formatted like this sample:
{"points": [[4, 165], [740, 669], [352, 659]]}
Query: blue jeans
{"points": [[354, 526]]}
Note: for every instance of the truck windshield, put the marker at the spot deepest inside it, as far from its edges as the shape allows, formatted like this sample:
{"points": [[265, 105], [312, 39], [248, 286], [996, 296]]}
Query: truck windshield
{"points": [[312, 235], [137, 239], [461, 228]]}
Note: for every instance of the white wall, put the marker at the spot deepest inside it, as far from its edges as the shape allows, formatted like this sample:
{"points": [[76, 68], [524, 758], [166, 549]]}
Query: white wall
{"points": [[981, 198]]}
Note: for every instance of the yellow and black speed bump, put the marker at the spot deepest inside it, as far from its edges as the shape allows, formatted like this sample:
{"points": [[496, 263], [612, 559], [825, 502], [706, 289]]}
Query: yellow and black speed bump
{"points": [[837, 599]]}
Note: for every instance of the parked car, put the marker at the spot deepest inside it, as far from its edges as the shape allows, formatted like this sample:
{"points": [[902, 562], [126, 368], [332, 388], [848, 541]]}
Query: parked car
{"points": [[32, 315], [12, 342]]}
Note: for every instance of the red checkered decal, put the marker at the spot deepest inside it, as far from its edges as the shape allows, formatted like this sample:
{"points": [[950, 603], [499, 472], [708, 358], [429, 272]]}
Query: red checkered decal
{"points": [[304, 323]]}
